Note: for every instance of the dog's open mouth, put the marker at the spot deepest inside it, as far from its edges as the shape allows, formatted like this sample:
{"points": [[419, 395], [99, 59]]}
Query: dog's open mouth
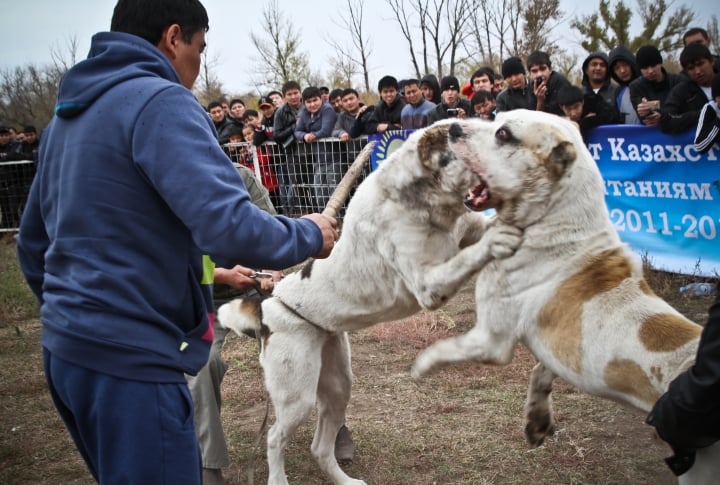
{"points": [[478, 198]]}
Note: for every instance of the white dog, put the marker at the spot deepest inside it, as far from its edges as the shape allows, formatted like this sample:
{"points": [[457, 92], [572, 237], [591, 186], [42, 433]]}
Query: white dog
{"points": [[408, 242], [573, 294]]}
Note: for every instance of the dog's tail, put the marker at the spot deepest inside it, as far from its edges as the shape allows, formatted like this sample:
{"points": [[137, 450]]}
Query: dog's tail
{"points": [[242, 316]]}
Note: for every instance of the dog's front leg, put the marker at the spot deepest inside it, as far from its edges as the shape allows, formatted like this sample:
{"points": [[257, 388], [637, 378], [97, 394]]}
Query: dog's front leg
{"points": [[539, 421], [479, 345], [437, 284]]}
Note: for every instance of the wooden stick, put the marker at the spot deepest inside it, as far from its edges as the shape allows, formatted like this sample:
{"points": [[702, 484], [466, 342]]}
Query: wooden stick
{"points": [[342, 191]]}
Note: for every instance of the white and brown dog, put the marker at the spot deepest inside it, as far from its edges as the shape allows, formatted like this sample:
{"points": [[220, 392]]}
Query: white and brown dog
{"points": [[573, 293], [408, 242]]}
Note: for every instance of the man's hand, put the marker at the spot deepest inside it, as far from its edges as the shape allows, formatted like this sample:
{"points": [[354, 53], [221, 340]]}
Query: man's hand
{"points": [[328, 227], [382, 127], [344, 136], [309, 137], [238, 277]]}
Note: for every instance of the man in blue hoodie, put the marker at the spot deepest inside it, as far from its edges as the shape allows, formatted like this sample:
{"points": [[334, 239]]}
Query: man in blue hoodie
{"points": [[132, 202]]}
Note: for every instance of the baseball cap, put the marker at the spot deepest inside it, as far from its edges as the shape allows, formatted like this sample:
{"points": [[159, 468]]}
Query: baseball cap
{"points": [[264, 101]]}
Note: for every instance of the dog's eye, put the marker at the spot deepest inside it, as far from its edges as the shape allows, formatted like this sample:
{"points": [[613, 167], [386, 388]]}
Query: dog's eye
{"points": [[503, 134]]}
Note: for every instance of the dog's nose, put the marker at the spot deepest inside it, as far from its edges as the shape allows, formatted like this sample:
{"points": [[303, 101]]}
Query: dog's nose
{"points": [[456, 131]]}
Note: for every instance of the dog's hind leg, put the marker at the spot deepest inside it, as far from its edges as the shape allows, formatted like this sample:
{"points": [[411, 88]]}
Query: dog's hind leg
{"points": [[292, 363], [539, 421], [333, 395], [479, 345]]}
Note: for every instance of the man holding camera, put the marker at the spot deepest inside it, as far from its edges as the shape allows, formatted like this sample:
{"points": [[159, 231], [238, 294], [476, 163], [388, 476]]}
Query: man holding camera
{"points": [[452, 105], [649, 91]]}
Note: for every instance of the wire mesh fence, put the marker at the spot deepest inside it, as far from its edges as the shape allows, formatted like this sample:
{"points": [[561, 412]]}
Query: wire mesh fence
{"points": [[300, 178]]}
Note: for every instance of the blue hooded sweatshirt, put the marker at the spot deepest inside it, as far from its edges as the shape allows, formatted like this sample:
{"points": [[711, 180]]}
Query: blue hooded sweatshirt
{"points": [[132, 194]]}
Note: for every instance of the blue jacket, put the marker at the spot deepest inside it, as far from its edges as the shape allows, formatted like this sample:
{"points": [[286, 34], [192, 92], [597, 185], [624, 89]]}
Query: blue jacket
{"points": [[320, 123], [132, 192], [413, 117]]}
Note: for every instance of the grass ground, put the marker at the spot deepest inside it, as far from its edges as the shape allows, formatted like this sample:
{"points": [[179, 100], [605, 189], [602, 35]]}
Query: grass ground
{"points": [[460, 426]]}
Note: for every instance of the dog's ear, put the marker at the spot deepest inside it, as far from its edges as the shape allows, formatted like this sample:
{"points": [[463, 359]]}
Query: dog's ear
{"points": [[433, 146], [561, 156]]}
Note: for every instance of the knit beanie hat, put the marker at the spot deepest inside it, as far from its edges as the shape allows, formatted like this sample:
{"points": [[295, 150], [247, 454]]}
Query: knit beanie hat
{"points": [[513, 65], [648, 56], [716, 85], [449, 82]]}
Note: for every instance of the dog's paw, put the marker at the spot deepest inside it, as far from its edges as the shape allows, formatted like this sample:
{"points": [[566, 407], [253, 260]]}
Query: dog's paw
{"points": [[538, 427], [422, 366], [503, 240]]}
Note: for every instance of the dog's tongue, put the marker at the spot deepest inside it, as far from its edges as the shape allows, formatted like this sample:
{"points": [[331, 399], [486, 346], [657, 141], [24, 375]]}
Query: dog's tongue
{"points": [[477, 197]]}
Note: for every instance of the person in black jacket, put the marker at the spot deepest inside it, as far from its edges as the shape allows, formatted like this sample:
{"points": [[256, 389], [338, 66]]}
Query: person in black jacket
{"points": [[284, 135], [519, 93], [430, 88], [624, 70], [452, 105], [686, 100], [386, 115], [546, 83], [707, 133], [649, 92], [596, 77], [687, 416], [587, 109]]}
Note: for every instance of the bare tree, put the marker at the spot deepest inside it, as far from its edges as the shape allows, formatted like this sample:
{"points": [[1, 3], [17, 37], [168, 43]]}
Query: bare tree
{"points": [[208, 87], [540, 17], [403, 19], [279, 56], [349, 58], [496, 30]]}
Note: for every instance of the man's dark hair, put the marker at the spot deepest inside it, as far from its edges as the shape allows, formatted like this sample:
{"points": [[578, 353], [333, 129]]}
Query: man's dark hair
{"points": [[412, 80], [695, 31], [248, 113], [324, 89], [335, 93], [311, 92], [483, 71], [235, 101], [149, 19], [693, 53], [214, 104], [538, 58], [387, 82], [569, 95], [481, 97], [347, 91], [290, 85]]}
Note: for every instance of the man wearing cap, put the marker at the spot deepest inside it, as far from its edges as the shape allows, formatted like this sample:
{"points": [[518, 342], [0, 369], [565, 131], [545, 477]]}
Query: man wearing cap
{"points": [[649, 91], [264, 131], [451, 106], [686, 100], [518, 94]]}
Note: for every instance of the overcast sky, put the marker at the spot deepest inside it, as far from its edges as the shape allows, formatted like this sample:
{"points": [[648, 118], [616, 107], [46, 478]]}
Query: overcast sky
{"points": [[29, 29]]}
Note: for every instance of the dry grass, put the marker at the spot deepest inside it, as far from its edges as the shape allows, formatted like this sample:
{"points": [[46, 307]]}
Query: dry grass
{"points": [[460, 426]]}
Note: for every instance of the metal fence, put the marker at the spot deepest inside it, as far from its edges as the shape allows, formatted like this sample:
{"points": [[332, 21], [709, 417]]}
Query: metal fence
{"points": [[300, 178]]}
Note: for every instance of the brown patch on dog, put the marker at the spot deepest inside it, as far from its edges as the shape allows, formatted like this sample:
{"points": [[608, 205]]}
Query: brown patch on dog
{"points": [[433, 141], [306, 270], [657, 373], [560, 320], [561, 156], [626, 376], [665, 332]]}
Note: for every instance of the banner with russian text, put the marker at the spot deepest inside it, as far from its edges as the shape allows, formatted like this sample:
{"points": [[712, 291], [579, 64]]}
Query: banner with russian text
{"points": [[662, 195]]}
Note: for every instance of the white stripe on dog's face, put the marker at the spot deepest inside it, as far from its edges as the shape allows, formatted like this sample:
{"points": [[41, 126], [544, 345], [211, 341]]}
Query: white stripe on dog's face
{"points": [[522, 157]]}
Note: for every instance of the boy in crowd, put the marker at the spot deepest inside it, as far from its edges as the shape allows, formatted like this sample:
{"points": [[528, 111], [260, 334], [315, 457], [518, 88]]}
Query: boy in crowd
{"points": [[350, 100], [264, 132], [452, 105], [518, 94], [387, 113], [414, 114], [588, 110], [317, 120], [482, 80], [596, 77], [546, 82], [284, 134], [430, 88], [483, 103], [649, 91], [685, 101], [624, 70], [221, 122], [697, 35]]}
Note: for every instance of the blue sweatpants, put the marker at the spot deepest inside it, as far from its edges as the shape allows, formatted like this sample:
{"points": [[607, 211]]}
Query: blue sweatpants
{"points": [[128, 432]]}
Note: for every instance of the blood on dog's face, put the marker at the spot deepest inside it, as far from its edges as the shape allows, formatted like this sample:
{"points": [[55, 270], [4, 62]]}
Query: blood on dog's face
{"points": [[520, 158]]}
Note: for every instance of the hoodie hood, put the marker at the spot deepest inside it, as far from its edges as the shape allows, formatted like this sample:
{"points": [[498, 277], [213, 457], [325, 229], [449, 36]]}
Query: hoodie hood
{"points": [[432, 80], [595, 55], [622, 53], [114, 58]]}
